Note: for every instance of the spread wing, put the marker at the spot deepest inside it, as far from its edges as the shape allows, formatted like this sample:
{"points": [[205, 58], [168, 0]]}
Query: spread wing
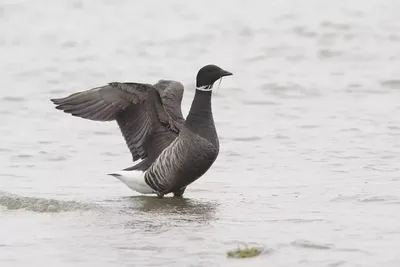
{"points": [[171, 93], [138, 109]]}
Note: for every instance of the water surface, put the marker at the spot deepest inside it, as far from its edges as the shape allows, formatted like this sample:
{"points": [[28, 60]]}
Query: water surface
{"points": [[308, 125]]}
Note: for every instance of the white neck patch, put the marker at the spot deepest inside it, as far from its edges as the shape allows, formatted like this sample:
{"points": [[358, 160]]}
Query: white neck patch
{"points": [[204, 88]]}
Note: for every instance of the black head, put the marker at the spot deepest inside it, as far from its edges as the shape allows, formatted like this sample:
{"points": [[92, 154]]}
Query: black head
{"points": [[209, 74]]}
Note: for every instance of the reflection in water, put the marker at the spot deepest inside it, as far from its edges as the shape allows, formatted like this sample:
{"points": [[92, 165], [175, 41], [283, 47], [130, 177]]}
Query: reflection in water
{"points": [[159, 213], [171, 204]]}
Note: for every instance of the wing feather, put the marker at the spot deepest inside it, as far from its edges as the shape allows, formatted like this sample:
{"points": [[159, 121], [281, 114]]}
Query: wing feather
{"points": [[136, 107], [171, 93]]}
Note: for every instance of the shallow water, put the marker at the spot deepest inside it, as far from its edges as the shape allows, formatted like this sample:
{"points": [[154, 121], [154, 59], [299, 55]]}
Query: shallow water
{"points": [[309, 130]]}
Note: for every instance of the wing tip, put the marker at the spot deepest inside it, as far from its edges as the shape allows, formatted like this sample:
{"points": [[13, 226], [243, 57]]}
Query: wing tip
{"points": [[56, 101]]}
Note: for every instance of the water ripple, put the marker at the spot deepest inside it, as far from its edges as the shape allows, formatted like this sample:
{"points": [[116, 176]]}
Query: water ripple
{"points": [[392, 84], [13, 99], [311, 245]]}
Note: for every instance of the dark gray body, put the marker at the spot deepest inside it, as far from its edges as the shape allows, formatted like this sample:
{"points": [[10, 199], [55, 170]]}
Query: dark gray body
{"points": [[181, 163], [191, 154], [175, 152]]}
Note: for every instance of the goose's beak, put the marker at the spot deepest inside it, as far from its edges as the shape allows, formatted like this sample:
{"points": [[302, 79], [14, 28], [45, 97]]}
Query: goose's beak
{"points": [[225, 73]]}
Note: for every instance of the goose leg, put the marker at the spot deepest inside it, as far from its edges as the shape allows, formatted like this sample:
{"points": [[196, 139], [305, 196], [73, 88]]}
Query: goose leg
{"points": [[160, 195], [179, 193]]}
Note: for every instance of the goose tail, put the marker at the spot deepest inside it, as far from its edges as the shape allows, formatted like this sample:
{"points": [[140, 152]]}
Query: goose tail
{"points": [[134, 180]]}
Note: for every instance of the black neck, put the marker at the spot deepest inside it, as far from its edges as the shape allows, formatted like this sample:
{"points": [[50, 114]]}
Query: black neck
{"points": [[200, 118]]}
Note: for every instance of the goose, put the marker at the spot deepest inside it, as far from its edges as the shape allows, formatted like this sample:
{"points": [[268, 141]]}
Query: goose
{"points": [[174, 151]]}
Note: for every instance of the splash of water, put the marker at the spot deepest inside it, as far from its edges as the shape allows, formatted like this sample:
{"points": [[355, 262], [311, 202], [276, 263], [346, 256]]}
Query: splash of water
{"points": [[15, 202]]}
